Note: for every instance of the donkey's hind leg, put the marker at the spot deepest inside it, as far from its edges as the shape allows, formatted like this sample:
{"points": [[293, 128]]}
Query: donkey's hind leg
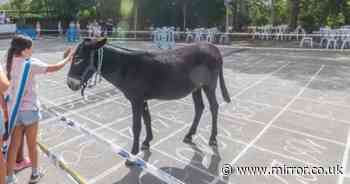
{"points": [[147, 121], [214, 107], [198, 108]]}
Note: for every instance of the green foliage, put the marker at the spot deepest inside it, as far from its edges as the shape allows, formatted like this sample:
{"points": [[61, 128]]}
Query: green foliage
{"points": [[311, 14]]}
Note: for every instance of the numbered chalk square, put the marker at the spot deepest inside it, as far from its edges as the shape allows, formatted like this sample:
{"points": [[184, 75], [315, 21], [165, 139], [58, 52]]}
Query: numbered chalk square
{"points": [[298, 71], [333, 92], [304, 148], [239, 81], [116, 138], [102, 87], [52, 173], [106, 93], [89, 157], [232, 128], [322, 110], [317, 126], [107, 112], [279, 169], [55, 132], [263, 67], [84, 122], [160, 128], [200, 154], [78, 103], [245, 110], [279, 86], [60, 92], [167, 164], [266, 98], [335, 73], [245, 61]]}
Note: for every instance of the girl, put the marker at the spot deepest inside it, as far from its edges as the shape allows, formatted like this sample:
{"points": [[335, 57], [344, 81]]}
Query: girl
{"points": [[29, 111], [4, 84]]}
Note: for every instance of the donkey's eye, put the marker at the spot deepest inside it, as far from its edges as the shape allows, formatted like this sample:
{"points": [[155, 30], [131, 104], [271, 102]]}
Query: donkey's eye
{"points": [[78, 61]]}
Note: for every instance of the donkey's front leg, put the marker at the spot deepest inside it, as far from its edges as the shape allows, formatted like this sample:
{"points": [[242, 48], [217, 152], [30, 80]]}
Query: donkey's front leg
{"points": [[137, 108]]}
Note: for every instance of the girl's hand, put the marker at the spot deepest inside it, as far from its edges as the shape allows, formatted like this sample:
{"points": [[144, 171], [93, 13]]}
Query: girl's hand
{"points": [[68, 54]]}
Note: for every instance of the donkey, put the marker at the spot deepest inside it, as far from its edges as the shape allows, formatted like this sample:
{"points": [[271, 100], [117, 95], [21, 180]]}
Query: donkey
{"points": [[142, 76]]}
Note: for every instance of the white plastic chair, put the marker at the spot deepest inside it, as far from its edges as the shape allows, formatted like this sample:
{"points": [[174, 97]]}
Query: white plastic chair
{"points": [[345, 38], [306, 39], [332, 40]]}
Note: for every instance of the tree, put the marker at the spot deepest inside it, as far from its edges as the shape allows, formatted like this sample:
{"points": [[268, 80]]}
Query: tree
{"points": [[63, 9], [108, 8], [294, 12]]}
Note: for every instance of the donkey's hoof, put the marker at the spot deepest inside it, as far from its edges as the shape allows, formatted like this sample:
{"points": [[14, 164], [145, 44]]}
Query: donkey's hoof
{"points": [[145, 146], [213, 142], [188, 140], [129, 163]]}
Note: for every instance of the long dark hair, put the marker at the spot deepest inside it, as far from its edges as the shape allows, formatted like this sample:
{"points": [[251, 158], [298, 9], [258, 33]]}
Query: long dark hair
{"points": [[18, 44]]}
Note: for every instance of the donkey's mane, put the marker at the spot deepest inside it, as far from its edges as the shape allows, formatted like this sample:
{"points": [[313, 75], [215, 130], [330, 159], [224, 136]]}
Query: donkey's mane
{"points": [[126, 51]]}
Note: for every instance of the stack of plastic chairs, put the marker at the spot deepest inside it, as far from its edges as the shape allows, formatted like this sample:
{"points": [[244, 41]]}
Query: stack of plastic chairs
{"points": [[345, 38], [324, 33], [332, 39]]}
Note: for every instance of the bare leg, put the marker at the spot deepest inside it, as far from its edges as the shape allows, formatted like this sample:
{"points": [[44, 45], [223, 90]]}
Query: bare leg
{"points": [[31, 132], [16, 138], [2, 166]]}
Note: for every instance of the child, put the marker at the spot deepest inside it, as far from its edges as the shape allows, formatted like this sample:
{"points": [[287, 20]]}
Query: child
{"points": [[4, 84], [29, 111]]}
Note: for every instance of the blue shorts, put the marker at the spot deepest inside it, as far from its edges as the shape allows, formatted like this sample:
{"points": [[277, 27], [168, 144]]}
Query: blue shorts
{"points": [[2, 125], [27, 118], [2, 128]]}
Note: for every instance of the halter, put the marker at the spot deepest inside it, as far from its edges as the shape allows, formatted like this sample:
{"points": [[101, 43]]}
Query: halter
{"points": [[92, 69]]}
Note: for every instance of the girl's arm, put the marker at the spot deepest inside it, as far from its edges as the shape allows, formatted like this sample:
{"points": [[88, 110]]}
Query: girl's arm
{"points": [[4, 107], [4, 82], [60, 65]]}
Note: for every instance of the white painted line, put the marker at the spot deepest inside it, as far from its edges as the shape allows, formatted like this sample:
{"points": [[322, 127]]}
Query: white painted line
{"points": [[109, 171], [345, 160], [257, 82], [149, 168], [291, 131], [106, 127], [92, 105], [235, 160], [315, 115], [268, 150], [275, 118], [105, 173]]}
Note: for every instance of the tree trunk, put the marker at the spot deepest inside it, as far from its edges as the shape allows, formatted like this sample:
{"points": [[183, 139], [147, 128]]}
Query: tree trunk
{"points": [[136, 13], [184, 13], [235, 14], [273, 13], [294, 13]]}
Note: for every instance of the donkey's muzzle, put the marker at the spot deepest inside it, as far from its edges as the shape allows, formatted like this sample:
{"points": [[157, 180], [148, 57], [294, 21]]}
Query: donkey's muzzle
{"points": [[73, 84]]}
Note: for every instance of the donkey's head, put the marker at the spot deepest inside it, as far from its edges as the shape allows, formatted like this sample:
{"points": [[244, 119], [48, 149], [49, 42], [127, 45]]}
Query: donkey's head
{"points": [[84, 63]]}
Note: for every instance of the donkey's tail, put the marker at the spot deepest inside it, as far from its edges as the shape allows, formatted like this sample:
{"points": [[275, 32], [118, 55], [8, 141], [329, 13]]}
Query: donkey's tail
{"points": [[224, 91]]}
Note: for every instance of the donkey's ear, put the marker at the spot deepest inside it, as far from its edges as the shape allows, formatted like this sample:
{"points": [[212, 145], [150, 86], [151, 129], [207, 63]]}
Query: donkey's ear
{"points": [[97, 43]]}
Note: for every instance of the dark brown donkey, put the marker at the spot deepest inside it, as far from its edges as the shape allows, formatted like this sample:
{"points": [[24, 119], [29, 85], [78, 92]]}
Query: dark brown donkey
{"points": [[142, 76]]}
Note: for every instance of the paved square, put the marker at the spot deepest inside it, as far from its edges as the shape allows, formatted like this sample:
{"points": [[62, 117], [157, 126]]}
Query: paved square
{"points": [[288, 108]]}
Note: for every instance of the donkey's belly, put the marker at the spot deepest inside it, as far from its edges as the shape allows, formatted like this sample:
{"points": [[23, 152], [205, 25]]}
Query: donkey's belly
{"points": [[172, 91], [180, 85]]}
